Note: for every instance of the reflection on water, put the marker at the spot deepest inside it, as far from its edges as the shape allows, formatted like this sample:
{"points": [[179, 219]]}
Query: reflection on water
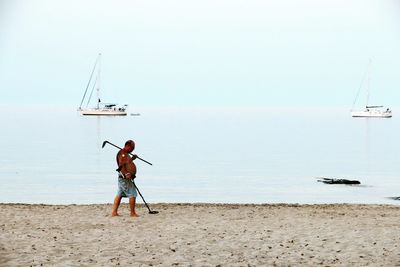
{"points": [[367, 135], [201, 155]]}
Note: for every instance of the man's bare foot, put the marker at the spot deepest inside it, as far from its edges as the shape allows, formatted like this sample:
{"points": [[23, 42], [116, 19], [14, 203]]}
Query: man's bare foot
{"points": [[134, 215], [114, 214]]}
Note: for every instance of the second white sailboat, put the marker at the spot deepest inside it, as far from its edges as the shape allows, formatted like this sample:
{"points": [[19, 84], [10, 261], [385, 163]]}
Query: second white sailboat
{"points": [[370, 111]]}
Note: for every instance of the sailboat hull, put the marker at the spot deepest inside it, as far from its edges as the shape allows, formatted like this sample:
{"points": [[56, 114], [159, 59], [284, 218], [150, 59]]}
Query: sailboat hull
{"points": [[102, 112], [371, 114]]}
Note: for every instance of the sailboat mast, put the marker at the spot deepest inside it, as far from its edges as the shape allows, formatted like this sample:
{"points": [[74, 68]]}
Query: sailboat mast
{"points": [[98, 83], [369, 81], [88, 84]]}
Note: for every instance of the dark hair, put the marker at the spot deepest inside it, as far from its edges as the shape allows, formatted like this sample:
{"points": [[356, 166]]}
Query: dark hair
{"points": [[129, 143]]}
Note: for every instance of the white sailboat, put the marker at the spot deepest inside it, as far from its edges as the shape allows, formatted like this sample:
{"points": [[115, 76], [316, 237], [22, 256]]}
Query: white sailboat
{"points": [[101, 109], [370, 111], [373, 112]]}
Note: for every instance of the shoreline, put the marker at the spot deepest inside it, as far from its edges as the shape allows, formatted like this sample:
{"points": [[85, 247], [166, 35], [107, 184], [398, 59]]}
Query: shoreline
{"points": [[200, 234], [141, 204]]}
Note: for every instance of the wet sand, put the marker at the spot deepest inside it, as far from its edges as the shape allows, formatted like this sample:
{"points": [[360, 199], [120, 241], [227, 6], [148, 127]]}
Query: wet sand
{"points": [[200, 235]]}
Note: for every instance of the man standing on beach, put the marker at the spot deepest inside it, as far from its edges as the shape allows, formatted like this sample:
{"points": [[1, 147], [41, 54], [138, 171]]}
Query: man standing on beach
{"points": [[126, 173]]}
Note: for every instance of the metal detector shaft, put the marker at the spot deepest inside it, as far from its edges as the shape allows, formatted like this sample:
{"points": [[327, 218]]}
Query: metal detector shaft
{"points": [[106, 142], [150, 211]]}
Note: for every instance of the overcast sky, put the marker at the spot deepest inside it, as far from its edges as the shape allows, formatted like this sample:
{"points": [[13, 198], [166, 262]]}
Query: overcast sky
{"points": [[200, 53]]}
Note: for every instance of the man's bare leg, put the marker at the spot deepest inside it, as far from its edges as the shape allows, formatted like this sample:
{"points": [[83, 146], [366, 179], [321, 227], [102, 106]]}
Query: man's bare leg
{"points": [[132, 203], [117, 201]]}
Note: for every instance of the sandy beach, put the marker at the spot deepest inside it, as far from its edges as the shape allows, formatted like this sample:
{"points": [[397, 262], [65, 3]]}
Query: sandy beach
{"points": [[200, 235]]}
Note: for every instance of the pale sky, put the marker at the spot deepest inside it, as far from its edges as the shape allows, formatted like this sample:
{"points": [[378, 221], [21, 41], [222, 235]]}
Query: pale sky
{"points": [[200, 53]]}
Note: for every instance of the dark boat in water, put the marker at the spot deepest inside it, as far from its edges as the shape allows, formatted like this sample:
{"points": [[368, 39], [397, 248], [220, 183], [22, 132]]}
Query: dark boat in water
{"points": [[338, 181]]}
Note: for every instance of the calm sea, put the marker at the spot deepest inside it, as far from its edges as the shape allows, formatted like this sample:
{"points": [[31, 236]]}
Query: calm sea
{"points": [[214, 155]]}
